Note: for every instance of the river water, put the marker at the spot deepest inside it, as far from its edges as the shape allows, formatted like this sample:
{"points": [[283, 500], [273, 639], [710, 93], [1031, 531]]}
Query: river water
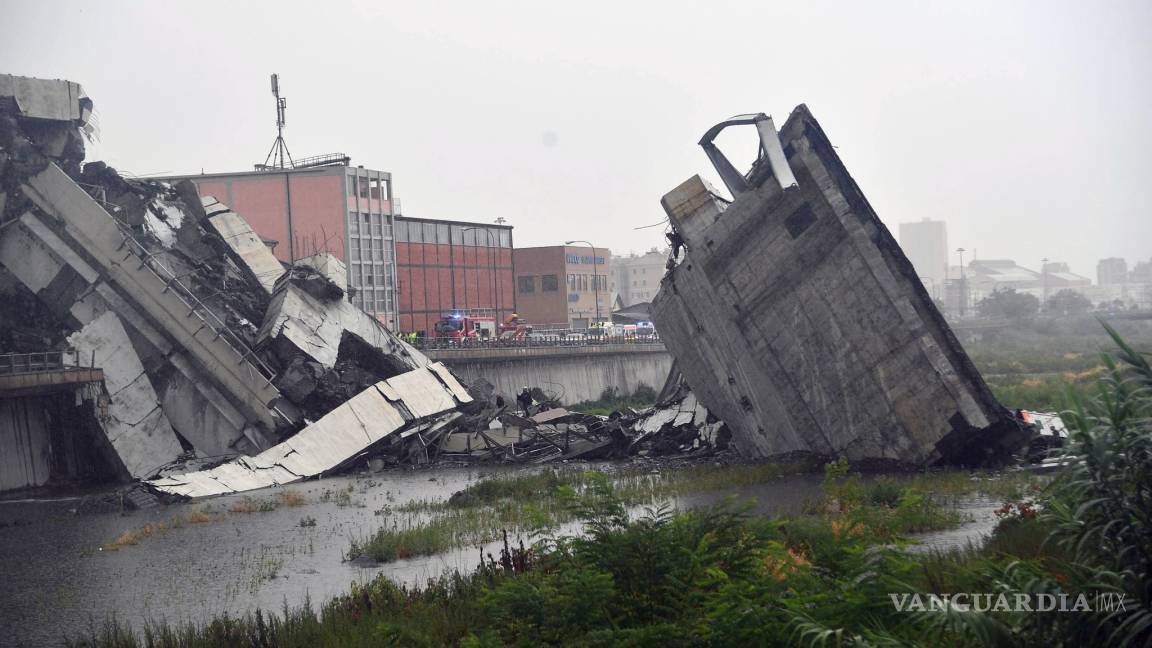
{"points": [[58, 580]]}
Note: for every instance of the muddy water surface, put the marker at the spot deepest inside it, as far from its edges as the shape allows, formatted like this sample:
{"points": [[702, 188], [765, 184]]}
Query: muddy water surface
{"points": [[58, 579]]}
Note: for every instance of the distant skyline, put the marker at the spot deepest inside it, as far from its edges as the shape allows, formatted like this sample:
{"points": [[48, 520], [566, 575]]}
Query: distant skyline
{"points": [[1022, 125]]}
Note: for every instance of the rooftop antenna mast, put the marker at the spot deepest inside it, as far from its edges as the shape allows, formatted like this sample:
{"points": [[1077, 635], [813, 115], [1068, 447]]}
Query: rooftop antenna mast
{"points": [[279, 153]]}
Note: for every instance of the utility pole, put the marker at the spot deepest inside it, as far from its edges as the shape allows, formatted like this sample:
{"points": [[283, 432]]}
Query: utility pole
{"points": [[595, 276]]}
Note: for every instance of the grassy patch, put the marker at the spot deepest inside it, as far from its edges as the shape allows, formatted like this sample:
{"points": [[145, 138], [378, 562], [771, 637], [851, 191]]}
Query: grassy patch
{"points": [[205, 515], [611, 400], [886, 508], [134, 536]]}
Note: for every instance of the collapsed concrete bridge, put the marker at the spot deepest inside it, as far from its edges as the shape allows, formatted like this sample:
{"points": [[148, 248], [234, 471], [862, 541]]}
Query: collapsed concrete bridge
{"points": [[207, 346], [795, 317]]}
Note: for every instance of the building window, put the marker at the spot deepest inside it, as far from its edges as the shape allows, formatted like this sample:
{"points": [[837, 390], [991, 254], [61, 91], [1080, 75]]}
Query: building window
{"points": [[429, 232], [363, 184], [505, 238], [401, 232], [548, 283], [352, 186], [526, 284], [442, 233], [377, 250], [571, 283], [374, 188]]}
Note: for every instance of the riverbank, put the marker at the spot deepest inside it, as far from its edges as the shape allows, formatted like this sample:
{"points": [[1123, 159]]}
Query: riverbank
{"points": [[889, 505]]}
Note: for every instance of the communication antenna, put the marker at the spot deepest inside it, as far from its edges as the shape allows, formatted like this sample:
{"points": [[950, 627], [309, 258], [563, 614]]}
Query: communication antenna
{"points": [[279, 153]]}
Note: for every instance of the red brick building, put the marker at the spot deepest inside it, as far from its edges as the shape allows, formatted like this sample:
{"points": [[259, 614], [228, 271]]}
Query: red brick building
{"points": [[333, 207], [452, 266], [559, 285]]}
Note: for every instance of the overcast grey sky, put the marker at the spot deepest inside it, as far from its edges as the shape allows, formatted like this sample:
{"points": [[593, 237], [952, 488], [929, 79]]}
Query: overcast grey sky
{"points": [[1024, 125]]}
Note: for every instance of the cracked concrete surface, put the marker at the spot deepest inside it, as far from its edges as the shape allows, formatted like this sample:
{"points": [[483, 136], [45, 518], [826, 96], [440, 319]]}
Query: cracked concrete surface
{"points": [[149, 442]]}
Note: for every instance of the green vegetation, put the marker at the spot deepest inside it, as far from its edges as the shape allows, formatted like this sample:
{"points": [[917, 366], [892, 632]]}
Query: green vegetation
{"points": [[833, 577], [1037, 365], [535, 503], [611, 401], [532, 504], [1009, 304]]}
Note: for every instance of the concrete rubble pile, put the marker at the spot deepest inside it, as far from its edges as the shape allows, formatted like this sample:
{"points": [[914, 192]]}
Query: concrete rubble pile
{"points": [[679, 425], [212, 351], [795, 317]]}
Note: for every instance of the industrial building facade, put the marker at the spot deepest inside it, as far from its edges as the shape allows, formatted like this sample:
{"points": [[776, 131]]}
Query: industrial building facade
{"points": [[335, 208], [446, 267], [559, 286]]}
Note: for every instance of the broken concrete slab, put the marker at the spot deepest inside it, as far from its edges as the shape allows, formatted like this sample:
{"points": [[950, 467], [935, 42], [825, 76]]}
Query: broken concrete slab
{"points": [[795, 317], [371, 416], [67, 284], [50, 99], [136, 425], [250, 250], [299, 323], [159, 295], [329, 265]]}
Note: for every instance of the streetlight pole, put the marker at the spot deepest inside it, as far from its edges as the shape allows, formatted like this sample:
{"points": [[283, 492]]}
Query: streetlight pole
{"points": [[1044, 282], [492, 258], [595, 276], [963, 287]]}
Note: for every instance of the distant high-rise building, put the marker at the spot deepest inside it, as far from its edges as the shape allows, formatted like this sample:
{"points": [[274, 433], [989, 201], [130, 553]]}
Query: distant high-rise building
{"points": [[925, 243], [1111, 271], [636, 277], [1141, 272]]}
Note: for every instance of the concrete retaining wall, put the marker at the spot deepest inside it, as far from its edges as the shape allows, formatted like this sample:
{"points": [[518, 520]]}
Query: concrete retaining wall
{"points": [[25, 458], [574, 374]]}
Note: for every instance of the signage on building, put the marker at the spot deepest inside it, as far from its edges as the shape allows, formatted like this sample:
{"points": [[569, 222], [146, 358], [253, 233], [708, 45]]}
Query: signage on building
{"points": [[587, 260]]}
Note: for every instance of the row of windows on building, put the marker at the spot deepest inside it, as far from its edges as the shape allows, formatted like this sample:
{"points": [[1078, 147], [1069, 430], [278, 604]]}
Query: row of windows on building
{"points": [[448, 234], [551, 283], [368, 187], [369, 225], [372, 301]]}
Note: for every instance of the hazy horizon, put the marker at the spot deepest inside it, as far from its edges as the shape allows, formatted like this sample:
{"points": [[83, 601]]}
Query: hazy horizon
{"points": [[1023, 126]]}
